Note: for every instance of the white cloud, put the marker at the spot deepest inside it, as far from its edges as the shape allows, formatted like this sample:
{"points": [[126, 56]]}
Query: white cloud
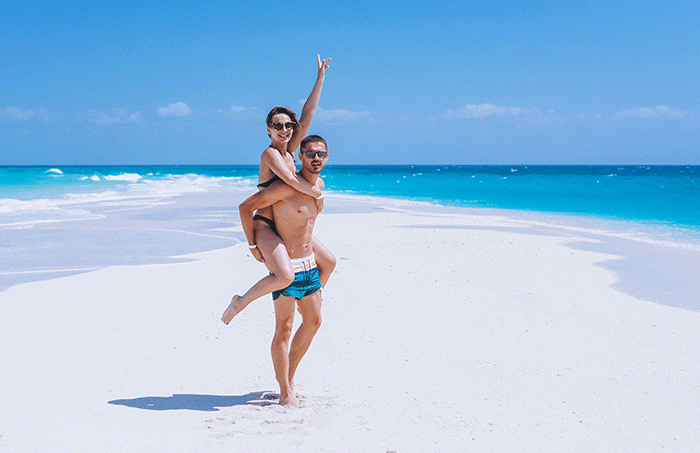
{"points": [[238, 108], [17, 114], [336, 116], [176, 109], [531, 116], [481, 111], [659, 112], [23, 115], [536, 117], [342, 115], [114, 116]]}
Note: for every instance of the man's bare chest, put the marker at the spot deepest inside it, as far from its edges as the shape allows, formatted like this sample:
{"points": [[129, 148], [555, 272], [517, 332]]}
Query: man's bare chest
{"points": [[298, 209]]}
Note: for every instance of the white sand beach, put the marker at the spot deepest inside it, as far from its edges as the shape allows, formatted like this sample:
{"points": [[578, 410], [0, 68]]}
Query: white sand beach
{"points": [[443, 331]]}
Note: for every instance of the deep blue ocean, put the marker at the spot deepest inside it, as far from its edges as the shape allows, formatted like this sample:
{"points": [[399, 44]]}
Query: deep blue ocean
{"points": [[667, 195]]}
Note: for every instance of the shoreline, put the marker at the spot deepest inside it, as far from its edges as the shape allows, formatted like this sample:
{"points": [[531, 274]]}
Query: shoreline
{"points": [[439, 331], [659, 263], [659, 269]]}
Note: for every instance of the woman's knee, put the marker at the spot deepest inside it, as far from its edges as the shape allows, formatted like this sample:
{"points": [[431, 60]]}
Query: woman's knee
{"points": [[331, 261], [325, 259], [280, 267], [284, 277]]}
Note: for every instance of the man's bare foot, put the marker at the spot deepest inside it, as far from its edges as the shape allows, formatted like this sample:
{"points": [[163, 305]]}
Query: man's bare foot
{"points": [[290, 401], [291, 390], [231, 311]]}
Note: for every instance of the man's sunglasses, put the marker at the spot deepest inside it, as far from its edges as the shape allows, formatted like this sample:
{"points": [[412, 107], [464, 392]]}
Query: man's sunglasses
{"points": [[279, 126], [312, 154]]}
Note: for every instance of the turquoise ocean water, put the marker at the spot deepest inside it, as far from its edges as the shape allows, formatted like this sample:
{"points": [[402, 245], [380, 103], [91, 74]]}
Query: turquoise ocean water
{"points": [[125, 212], [656, 194], [659, 194]]}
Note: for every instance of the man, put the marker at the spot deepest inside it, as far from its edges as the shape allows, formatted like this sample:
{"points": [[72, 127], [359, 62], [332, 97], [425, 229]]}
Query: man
{"points": [[295, 214]]}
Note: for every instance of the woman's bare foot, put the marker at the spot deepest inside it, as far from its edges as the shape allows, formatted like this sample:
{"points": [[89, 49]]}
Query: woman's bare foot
{"points": [[231, 311]]}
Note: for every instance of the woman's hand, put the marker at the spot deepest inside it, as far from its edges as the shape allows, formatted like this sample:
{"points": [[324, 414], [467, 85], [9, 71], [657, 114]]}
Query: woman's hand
{"points": [[319, 204], [307, 112], [322, 65]]}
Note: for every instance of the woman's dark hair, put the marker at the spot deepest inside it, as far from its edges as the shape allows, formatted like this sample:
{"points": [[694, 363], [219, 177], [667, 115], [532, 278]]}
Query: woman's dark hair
{"points": [[284, 110]]}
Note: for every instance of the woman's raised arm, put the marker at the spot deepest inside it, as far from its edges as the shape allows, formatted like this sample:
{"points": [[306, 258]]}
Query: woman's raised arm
{"points": [[307, 113]]}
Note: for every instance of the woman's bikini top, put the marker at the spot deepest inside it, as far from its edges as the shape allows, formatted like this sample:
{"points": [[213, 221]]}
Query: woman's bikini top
{"points": [[270, 181]]}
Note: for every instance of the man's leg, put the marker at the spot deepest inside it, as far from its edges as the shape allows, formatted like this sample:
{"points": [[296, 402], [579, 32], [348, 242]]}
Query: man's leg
{"points": [[310, 309], [284, 320]]}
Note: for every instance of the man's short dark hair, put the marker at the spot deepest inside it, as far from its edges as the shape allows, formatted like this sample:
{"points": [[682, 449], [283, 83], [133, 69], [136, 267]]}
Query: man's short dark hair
{"points": [[312, 139]]}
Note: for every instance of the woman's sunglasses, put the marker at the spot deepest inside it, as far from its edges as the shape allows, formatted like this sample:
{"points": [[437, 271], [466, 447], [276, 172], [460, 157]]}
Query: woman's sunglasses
{"points": [[279, 126]]}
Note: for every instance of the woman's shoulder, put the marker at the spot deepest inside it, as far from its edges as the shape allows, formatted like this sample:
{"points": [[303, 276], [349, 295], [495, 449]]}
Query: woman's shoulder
{"points": [[268, 150], [267, 156], [272, 154]]}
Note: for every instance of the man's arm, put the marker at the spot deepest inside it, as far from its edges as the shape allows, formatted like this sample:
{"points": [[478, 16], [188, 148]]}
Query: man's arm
{"points": [[276, 192]]}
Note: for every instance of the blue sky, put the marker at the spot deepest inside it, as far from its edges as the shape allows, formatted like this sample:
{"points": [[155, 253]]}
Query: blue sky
{"points": [[451, 82]]}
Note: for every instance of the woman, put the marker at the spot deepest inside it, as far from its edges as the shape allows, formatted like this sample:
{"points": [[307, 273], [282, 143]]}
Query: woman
{"points": [[277, 163]]}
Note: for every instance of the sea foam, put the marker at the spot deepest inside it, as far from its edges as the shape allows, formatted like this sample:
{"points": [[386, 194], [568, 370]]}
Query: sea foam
{"points": [[84, 197], [129, 177]]}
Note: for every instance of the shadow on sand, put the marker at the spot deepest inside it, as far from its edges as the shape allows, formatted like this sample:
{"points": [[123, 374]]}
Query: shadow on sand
{"points": [[208, 403]]}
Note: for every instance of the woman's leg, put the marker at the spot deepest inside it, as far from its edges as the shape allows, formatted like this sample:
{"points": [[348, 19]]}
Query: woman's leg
{"points": [[278, 263], [324, 259]]}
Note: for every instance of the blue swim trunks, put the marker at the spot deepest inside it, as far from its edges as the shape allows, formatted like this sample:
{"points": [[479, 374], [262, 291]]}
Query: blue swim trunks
{"points": [[306, 281]]}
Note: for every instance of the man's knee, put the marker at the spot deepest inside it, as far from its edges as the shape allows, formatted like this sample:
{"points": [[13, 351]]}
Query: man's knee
{"points": [[313, 319], [316, 322], [285, 318], [283, 331]]}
